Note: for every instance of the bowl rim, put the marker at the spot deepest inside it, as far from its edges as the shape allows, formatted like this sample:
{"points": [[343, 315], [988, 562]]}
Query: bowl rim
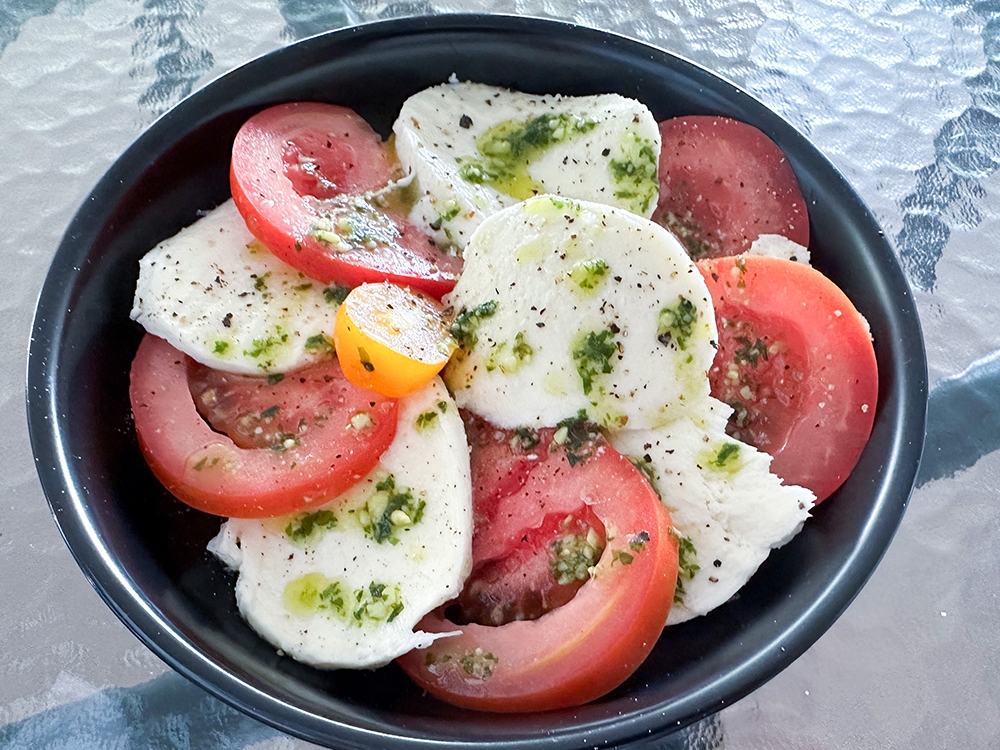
{"points": [[68, 501]]}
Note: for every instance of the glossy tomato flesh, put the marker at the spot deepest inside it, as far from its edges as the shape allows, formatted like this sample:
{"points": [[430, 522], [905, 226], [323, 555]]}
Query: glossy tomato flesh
{"points": [[576, 651], [724, 183], [277, 447], [797, 364], [297, 175]]}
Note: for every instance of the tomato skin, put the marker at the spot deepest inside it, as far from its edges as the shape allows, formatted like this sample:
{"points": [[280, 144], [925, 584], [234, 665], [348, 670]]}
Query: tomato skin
{"points": [[290, 159], [210, 472], [724, 183], [822, 366], [588, 646]]}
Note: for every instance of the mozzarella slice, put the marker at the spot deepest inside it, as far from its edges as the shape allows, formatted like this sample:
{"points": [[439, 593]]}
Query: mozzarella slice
{"points": [[722, 498], [779, 246], [327, 597], [221, 297], [596, 309], [602, 148]]}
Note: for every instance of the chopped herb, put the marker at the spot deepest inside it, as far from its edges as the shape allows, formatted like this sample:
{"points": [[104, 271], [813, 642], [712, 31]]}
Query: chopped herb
{"points": [[260, 282], [687, 564], [400, 510], [593, 356], [727, 453], [466, 324], [305, 525], [620, 555], [524, 438], [452, 209], [748, 354], [638, 542], [426, 419], [302, 287], [676, 324], [319, 342], [220, 347], [577, 436], [335, 295], [587, 274], [442, 406], [275, 377], [270, 412], [511, 359]]}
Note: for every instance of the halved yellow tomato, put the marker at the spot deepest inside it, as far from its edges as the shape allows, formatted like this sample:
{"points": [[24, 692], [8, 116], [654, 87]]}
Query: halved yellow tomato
{"points": [[390, 339]]}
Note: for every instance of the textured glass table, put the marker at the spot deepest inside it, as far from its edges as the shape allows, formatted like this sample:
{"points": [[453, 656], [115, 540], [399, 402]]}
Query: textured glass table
{"points": [[903, 96]]}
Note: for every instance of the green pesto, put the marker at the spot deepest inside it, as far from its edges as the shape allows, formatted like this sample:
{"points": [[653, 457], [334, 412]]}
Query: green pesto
{"points": [[675, 325], [592, 352], [307, 526], [576, 435], [687, 564], [524, 438], [314, 593], [351, 223], [336, 294], [478, 663], [588, 274], [750, 353], [425, 420], [375, 604], [390, 511], [507, 148], [510, 359], [574, 555], [691, 234], [634, 173], [452, 209], [464, 329], [319, 342]]}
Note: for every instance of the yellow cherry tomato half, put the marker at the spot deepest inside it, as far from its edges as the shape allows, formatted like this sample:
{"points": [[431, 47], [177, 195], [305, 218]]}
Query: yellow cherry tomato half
{"points": [[390, 339]]}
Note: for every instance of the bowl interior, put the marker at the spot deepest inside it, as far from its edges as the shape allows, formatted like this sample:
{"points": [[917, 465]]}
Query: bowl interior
{"points": [[145, 552]]}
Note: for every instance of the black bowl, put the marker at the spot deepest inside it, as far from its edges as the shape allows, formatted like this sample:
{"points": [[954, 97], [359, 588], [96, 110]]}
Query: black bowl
{"points": [[145, 553]]}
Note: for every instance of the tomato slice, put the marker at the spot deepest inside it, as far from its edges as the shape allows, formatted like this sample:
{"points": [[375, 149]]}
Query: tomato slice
{"points": [[280, 446], [796, 362], [724, 183], [298, 174], [563, 642]]}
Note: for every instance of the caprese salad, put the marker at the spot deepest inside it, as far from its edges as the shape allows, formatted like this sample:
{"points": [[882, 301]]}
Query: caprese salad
{"points": [[503, 396]]}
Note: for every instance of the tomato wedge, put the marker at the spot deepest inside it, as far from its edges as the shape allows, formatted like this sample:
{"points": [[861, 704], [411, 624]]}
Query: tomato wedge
{"points": [[280, 446], [724, 183], [581, 499], [298, 174], [796, 362]]}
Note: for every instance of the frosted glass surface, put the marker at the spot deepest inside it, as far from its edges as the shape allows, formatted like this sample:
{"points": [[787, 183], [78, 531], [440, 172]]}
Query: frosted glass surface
{"points": [[903, 96]]}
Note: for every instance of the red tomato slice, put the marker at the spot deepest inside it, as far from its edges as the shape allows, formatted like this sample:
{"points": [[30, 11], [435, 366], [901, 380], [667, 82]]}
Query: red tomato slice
{"points": [[724, 183], [589, 645], [796, 362], [297, 174], [311, 446]]}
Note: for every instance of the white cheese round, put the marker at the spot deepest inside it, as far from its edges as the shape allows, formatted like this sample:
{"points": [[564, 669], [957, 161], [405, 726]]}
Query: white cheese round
{"points": [[722, 498], [596, 309], [222, 298], [603, 148], [328, 598]]}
